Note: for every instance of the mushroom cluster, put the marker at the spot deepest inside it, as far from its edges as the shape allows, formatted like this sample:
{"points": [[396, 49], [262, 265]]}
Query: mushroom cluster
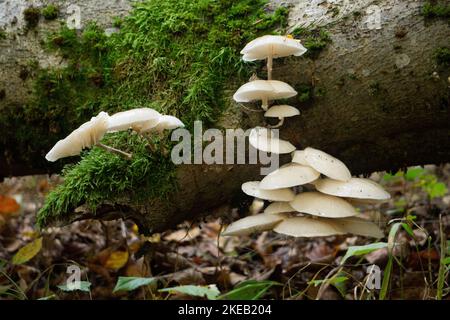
{"points": [[326, 207], [89, 134]]}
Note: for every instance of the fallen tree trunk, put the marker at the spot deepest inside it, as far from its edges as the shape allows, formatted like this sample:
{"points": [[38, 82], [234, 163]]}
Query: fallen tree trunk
{"points": [[375, 97]]}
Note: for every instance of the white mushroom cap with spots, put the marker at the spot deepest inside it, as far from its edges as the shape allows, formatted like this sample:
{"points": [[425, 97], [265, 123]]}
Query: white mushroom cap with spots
{"points": [[251, 224], [87, 135], [322, 205], [281, 111], [290, 175], [308, 227], [263, 90], [261, 139], [274, 46], [135, 119], [299, 157], [252, 188], [327, 164], [359, 188], [278, 207]]}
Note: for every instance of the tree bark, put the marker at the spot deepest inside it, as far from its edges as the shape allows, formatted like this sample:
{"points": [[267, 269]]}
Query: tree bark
{"points": [[380, 102]]}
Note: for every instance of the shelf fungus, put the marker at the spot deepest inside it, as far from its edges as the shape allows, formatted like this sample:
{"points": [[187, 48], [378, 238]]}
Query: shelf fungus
{"points": [[253, 189], [264, 91], [290, 175], [262, 139], [358, 188], [322, 205], [86, 136], [278, 207], [251, 224]]}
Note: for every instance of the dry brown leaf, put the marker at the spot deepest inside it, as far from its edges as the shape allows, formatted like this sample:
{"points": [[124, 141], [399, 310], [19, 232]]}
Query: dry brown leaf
{"points": [[8, 205], [116, 260]]}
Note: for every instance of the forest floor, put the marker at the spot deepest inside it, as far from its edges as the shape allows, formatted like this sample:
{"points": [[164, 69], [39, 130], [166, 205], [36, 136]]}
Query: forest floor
{"points": [[195, 261]]}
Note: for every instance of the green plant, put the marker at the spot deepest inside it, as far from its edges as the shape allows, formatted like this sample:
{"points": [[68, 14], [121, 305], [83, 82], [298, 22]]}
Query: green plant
{"points": [[430, 10], [50, 12], [315, 40], [442, 56]]}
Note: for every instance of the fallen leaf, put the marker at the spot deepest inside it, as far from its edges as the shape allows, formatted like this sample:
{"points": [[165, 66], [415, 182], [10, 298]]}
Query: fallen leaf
{"points": [[8, 205], [117, 260], [27, 252]]}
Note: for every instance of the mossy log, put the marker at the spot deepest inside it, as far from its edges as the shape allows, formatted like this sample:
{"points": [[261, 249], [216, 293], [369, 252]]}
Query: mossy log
{"points": [[375, 97]]}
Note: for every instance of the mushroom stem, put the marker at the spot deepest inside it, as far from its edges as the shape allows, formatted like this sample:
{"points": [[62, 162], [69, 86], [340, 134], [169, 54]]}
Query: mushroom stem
{"points": [[269, 67], [265, 104], [114, 150], [279, 124]]}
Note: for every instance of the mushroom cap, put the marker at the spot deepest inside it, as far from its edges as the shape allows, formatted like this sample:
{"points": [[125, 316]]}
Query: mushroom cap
{"points": [[290, 175], [135, 119], [281, 111], [327, 164], [260, 138], [252, 188], [278, 207], [364, 202], [87, 135], [250, 224], [275, 46], [308, 227], [299, 157], [322, 205], [354, 188], [360, 227], [165, 122], [263, 89]]}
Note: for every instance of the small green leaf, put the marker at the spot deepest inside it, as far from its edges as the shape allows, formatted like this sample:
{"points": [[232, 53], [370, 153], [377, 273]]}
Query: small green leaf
{"points": [[50, 297], [386, 278], [392, 235], [446, 260], [211, 292], [414, 173], [408, 229], [28, 252], [362, 250], [84, 286], [437, 190], [132, 283], [249, 290]]}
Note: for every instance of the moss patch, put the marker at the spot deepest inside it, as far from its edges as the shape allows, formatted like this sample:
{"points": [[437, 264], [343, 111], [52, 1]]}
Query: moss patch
{"points": [[176, 56], [435, 10], [32, 16], [315, 40], [442, 56], [50, 12]]}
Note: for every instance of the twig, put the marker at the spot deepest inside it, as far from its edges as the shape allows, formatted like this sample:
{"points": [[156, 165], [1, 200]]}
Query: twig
{"points": [[114, 150]]}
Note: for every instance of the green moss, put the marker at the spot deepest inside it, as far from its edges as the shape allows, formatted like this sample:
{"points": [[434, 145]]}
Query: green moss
{"points": [[374, 88], [176, 56], [117, 22], [31, 16], [3, 34], [442, 56], [50, 12], [435, 10], [315, 40], [305, 92]]}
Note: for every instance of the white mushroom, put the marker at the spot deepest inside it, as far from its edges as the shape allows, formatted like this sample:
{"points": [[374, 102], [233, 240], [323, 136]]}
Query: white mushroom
{"points": [[319, 204], [327, 164], [264, 90], [87, 135], [354, 188], [360, 227], [135, 119], [261, 139], [290, 175], [299, 157], [252, 189], [165, 122], [308, 227], [278, 207], [281, 111], [251, 224], [269, 47]]}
